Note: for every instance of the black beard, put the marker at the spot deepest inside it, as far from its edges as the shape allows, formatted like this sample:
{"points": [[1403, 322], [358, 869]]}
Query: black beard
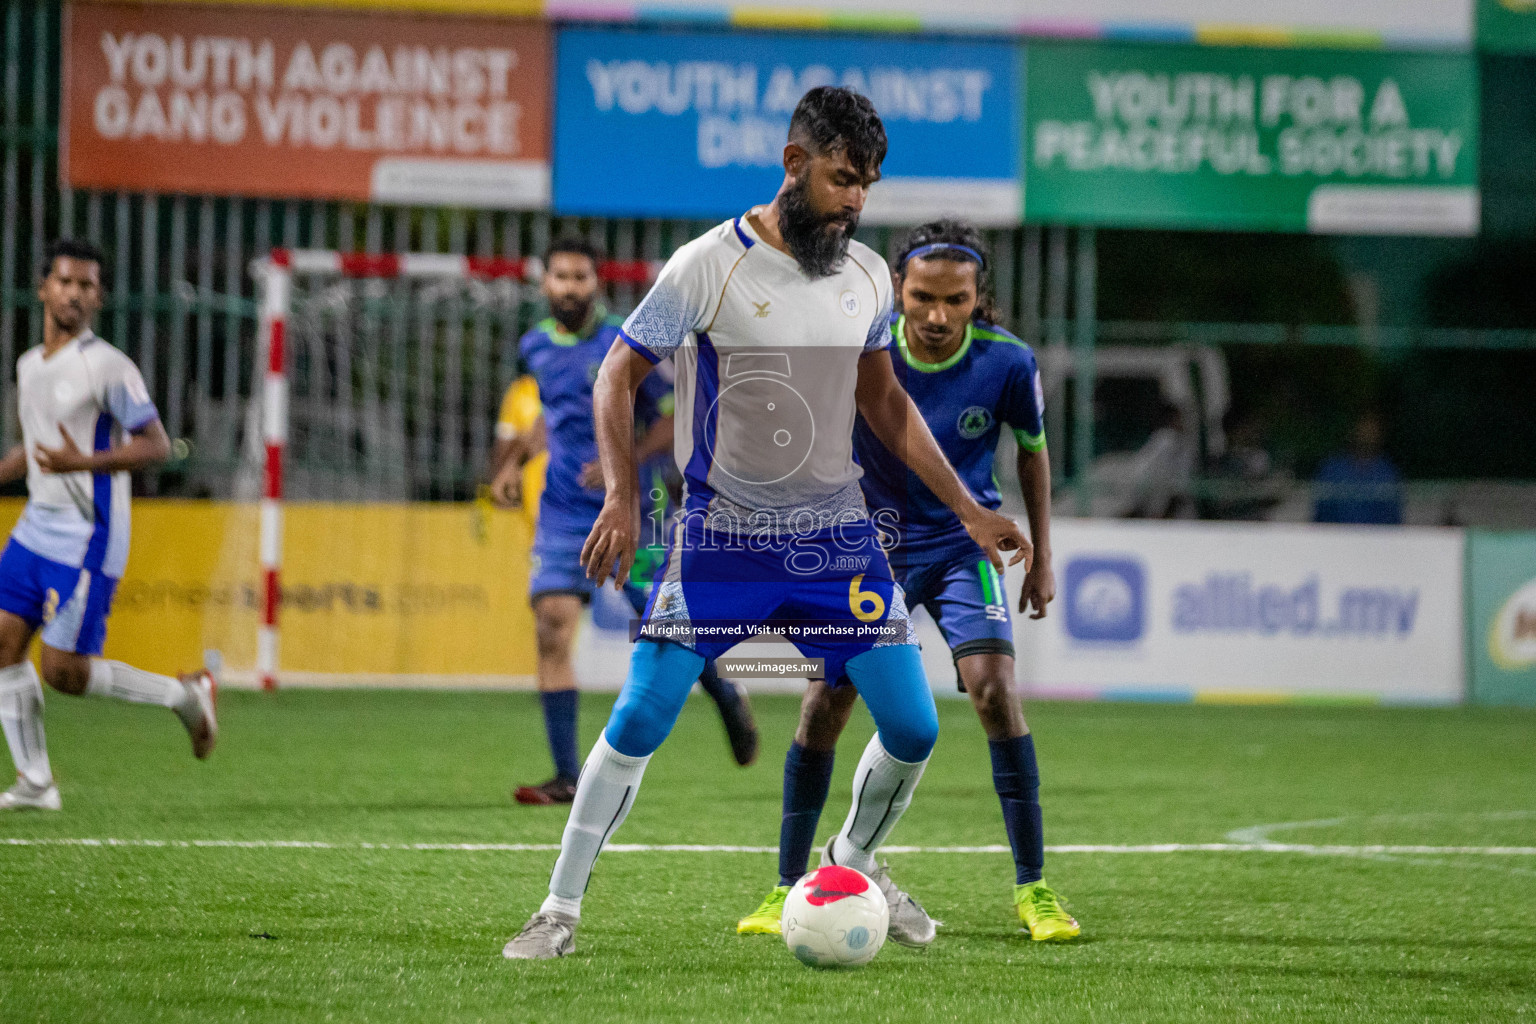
{"points": [[818, 251], [571, 314]]}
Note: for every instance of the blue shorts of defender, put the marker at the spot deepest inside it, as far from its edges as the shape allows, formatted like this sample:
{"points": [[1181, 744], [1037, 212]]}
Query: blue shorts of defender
{"points": [[555, 567], [71, 604], [836, 577], [965, 596]]}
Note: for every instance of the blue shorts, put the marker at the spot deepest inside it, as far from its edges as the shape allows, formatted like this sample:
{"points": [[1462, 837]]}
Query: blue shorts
{"points": [[965, 596], [555, 567], [830, 593], [71, 604]]}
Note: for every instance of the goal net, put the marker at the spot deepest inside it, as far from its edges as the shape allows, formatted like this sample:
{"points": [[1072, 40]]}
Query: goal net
{"points": [[360, 546]]}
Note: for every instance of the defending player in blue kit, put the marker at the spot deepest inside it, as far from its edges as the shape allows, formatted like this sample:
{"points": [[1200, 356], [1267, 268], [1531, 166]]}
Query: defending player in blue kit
{"points": [[563, 353], [969, 377]]}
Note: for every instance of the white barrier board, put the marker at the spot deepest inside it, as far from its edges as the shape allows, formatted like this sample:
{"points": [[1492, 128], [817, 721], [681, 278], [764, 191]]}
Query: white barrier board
{"points": [[1195, 611]]}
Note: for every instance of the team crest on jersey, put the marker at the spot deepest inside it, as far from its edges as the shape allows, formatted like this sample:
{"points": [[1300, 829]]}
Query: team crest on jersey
{"points": [[974, 422], [849, 301]]}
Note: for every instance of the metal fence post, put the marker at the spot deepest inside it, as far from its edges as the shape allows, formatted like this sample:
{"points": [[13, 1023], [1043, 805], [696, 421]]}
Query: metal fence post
{"points": [[1083, 339]]}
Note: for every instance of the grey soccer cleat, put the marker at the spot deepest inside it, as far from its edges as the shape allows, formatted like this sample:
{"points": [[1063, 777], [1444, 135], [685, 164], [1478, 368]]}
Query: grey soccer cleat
{"points": [[547, 935], [25, 796], [910, 924], [197, 713]]}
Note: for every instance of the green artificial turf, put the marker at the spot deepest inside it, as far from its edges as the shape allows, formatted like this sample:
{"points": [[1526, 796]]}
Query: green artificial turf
{"points": [[349, 933]]}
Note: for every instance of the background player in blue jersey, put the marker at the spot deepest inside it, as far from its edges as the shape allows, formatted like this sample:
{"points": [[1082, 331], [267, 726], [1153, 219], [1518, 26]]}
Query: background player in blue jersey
{"points": [[968, 377], [563, 354], [86, 422], [777, 322]]}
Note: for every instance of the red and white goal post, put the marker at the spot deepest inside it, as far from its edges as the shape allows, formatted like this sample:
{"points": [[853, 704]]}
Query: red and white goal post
{"points": [[276, 275]]}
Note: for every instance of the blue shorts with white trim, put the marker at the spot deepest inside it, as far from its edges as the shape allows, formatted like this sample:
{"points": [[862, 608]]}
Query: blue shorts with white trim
{"points": [[71, 604]]}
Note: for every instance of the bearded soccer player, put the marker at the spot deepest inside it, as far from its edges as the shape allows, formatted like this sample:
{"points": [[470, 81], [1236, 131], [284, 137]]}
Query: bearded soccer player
{"points": [[563, 354], [60, 568], [777, 321], [968, 377]]}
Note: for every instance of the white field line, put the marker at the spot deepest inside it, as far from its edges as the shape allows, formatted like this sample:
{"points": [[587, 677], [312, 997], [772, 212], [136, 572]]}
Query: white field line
{"points": [[1145, 848]]}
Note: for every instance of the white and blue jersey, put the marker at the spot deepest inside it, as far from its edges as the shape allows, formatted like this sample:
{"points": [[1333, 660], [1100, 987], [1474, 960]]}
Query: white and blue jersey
{"points": [[565, 366], [71, 544], [991, 380], [774, 527]]}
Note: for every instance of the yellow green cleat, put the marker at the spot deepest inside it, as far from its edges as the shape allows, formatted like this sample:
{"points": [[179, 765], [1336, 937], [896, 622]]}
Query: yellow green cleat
{"points": [[767, 919], [1042, 913]]}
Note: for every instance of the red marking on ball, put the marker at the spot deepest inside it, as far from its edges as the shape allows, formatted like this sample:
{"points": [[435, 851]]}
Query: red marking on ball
{"points": [[833, 883]]}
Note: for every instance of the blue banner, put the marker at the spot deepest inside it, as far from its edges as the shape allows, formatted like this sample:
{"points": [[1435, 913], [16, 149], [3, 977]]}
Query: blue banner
{"points": [[670, 124]]}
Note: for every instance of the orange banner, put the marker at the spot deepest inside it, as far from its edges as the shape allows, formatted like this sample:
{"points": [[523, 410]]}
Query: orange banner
{"points": [[396, 109]]}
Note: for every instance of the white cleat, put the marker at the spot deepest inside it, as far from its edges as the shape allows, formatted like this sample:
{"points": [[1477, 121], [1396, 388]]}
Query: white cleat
{"points": [[198, 712], [24, 796], [547, 935], [910, 924]]}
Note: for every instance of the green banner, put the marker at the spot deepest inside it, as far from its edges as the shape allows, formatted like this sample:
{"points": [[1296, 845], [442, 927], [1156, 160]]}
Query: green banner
{"points": [[1506, 26], [1501, 617], [1249, 139]]}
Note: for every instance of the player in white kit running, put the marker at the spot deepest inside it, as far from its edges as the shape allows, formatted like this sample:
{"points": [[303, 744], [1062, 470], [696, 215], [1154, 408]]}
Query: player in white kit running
{"points": [[87, 422]]}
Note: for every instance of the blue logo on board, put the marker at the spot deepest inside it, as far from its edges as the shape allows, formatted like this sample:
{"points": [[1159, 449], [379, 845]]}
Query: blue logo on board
{"points": [[1106, 598]]}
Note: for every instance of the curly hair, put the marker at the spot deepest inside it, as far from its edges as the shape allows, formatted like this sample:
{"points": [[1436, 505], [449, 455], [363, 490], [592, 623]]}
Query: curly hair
{"points": [[831, 118], [951, 232]]}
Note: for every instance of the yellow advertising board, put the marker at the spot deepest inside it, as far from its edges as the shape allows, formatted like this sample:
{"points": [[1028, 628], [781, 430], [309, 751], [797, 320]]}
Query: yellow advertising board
{"points": [[404, 593]]}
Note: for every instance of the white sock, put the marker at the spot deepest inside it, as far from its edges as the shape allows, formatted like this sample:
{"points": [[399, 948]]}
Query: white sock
{"points": [[882, 789], [114, 679], [21, 714], [604, 795]]}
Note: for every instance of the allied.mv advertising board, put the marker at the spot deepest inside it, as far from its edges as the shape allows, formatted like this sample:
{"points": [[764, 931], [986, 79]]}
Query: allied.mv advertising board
{"points": [[1325, 141], [667, 124], [1252, 612], [450, 111]]}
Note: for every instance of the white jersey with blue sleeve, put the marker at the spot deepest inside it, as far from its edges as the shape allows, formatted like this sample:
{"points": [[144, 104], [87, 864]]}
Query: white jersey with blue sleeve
{"points": [[767, 364], [97, 394]]}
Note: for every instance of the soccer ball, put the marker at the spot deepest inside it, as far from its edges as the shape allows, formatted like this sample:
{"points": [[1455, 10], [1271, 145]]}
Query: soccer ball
{"points": [[835, 917]]}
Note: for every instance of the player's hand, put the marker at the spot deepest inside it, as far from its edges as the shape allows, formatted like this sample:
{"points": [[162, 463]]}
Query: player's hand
{"points": [[610, 547], [591, 476], [507, 488], [995, 534], [1039, 588], [66, 458]]}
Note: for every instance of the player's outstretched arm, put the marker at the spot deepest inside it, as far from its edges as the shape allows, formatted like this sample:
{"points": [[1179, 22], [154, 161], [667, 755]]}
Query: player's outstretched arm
{"points": [[147, 446], [610, 547], [891, 414], [1035, 483], [13, 466]]}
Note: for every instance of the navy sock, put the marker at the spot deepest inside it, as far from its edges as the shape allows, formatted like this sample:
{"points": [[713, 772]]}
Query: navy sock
{"points": [[807, 775], [560, 727], [1017, 780], [719, 690]]}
